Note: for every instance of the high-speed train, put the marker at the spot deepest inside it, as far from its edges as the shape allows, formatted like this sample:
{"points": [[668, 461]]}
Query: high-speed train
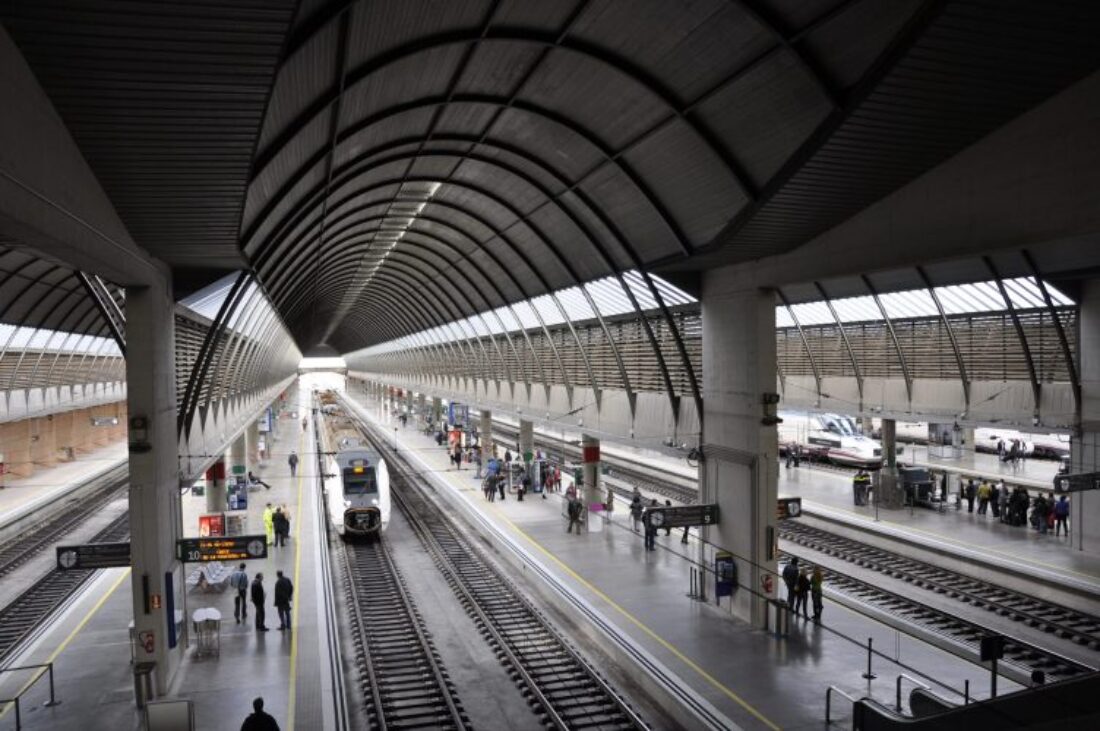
{"points": [[357, 482], [830, 437], [986, 439]]}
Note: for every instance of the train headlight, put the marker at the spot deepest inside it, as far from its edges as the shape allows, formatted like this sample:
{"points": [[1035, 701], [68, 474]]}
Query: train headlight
{"points": [[374, 501], [347, 503]]}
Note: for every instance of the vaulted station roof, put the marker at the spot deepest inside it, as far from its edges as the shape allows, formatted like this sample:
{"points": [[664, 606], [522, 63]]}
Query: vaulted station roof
{"points": [[389, 166]]}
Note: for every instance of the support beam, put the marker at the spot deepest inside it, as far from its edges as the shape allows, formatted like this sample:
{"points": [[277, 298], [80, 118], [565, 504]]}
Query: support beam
{"points": [[805, 343], [893, 337], [1036, 389], [844, 337], [1067, 354], [950, 334]]}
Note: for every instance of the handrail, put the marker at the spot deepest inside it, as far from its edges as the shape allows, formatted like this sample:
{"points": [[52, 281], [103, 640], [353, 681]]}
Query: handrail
{"points": [[829, 701], [4, 702], [912, 680]]}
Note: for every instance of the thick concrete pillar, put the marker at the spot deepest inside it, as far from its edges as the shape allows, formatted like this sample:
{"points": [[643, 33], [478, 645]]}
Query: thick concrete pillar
{"points": [[866, 425], [590, 456], [485, 434], [252, 443], [215, 487], [1085, 449], [889, 444], [437, 411], [526, 440], [156, 583], [238, 457], [739, 468]]}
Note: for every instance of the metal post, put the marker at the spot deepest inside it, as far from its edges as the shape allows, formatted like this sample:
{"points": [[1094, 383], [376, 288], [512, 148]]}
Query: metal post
{"points": [[993, 678], [53, 699], [870, 651], [966, 692], [18, 716]]}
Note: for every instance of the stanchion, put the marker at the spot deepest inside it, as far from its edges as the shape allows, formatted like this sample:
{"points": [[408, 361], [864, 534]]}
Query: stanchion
{"points": [[870, 651]]}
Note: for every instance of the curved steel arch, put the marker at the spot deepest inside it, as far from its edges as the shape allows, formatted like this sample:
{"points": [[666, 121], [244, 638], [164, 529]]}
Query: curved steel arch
{"points": [[893, 337], [950, 334], [555, 41], [1036, 388], [1067, 354], [805, 342], [844, 337]]}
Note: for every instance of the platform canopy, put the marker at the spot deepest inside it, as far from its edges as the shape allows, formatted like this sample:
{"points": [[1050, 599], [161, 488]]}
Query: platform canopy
{"points": [[389, 166]]}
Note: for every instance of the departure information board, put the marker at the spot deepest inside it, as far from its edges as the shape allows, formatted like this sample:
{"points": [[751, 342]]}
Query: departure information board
{"points": [[683, 516], [93, 556], [229, 548]]}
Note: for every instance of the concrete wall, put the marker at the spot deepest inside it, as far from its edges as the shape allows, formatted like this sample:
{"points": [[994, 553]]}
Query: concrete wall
{"points": [[1085, 449], [29, 445]]}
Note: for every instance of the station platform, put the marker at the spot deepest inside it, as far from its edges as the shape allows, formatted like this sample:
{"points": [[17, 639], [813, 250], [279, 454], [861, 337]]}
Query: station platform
{"points": [[981, 539], [21, 496], [1033, 474], [90, 646], [622, 596]]}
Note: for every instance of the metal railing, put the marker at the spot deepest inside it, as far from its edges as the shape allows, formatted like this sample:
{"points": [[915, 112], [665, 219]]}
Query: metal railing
{"points": [[6, 702], [829, 701], [914, 681]]}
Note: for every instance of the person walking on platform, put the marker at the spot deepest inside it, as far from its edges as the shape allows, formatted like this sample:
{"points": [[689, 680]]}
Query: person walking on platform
{"points": [[269, 524], [860, 483], [668, 530], [1061, 515], [292, 460], [995, 500], [984, 493], [281, 525], [259, 720], [573, 510], [284, 590], [477, 464], [816, 582], [636, 510], [258, 597], [802, 593], [457, 457], [239, 581], [790, 578], [1040, 513], [971, 493], [650, 531]]}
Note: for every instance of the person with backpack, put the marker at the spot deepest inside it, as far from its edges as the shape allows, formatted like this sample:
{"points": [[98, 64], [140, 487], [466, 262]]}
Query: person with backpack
{"points": [[239, 581], [292, 460], [816, 582], [636, 510], [1061, 515], [984, 494], [573, 510], [802, 593], [790, 578]]}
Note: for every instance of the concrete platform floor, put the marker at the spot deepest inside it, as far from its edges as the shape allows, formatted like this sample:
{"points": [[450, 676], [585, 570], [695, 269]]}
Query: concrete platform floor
{"points": [[754, 679], [24, 494]]}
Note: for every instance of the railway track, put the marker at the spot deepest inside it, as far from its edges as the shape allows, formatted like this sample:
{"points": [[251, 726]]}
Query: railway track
{"points": [[565, 691], [35, 538], [401, 675], [1023, 655], [1063, 622], [20, 619]]}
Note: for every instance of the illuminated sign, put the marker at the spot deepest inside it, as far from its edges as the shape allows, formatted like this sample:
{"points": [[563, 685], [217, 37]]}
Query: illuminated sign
{"points": [[686, 515], [231, 548]]}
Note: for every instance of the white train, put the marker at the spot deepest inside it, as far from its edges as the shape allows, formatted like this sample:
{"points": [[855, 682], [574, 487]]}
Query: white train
{"points": [[986, 439], [357, 481], [830, 437]]}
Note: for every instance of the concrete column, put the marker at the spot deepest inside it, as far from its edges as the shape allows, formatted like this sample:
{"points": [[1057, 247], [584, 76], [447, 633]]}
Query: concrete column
{"points": [[238, 457], [215, 487], [739, 469], [1085, 449], [408, 402], [437, 411], [485, 434], [252, 443], [527, 440], [154, 479], [590, 466], [866, 425], [889, 444], [421, 409]]}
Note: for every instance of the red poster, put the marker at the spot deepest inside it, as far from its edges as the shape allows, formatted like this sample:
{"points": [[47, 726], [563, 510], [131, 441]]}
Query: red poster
{"points": [[212, 525]]}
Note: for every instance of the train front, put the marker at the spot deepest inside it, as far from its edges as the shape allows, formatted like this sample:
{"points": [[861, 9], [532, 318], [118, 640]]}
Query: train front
{"points": [[361, 492]]}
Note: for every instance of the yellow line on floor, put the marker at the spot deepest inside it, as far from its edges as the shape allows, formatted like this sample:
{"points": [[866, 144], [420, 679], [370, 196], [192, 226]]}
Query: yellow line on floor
{"points": [[72, 635], [294, 611], [639, 624]]}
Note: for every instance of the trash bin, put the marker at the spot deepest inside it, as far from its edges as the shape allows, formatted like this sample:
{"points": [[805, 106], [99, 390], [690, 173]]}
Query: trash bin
{"points": [[145, 687], [782, 622]]}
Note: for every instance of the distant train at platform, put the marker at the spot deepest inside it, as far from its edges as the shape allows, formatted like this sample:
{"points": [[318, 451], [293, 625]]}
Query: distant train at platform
{"points": [[987, 439], [833, 438], [357, 481]]}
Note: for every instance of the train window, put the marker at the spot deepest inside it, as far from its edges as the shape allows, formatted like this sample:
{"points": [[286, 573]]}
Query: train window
{"points": [[360, 483]]}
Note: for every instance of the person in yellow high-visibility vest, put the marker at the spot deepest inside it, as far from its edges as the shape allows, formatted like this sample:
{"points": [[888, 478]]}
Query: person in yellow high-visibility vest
{"points": [[269, 524]]}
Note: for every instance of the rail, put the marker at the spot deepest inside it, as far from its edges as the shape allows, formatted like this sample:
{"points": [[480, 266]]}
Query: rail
{"points": [[6, 703], [911, 679], [829, 701]]}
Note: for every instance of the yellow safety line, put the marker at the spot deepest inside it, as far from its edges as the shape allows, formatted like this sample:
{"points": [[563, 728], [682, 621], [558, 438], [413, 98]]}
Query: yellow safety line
{"points": [[961, 544], [639, 624], [294, 610], [76, 630]]}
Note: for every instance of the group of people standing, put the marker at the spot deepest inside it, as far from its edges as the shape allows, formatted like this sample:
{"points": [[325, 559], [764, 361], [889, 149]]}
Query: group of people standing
{"points": [[276, 524], [801, 585], [1011, 506], [254, 591]]}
